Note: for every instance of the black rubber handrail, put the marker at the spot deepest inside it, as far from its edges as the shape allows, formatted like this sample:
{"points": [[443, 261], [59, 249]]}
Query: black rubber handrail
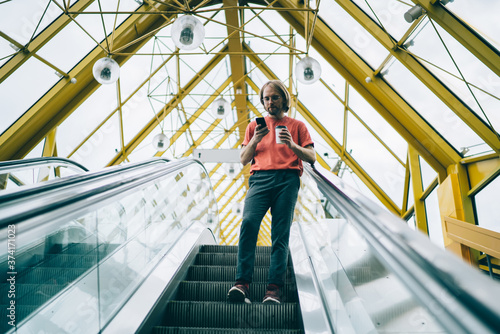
{"points": [[35, 162], [25, 204], [447, 293], [74, 179]]}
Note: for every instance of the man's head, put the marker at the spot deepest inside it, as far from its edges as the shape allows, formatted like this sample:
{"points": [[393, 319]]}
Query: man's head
{"points": [[280, 90]]}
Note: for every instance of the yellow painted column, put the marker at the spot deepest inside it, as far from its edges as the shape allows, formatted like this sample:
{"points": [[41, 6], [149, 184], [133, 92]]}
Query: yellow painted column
{"points": [[453, 203]]}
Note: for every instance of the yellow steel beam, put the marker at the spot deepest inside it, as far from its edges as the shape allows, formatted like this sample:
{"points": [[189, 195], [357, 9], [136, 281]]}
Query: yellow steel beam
{"points": [[201, 138], [63, 98], [463, 33], [237, 63], [482, 172], [406, 188], [39, 41], [424, 75], [337, 147], [193, 117], [120, 106], [418, 189], [50, 147], [224, 236], [390, 105], [153, 123]]}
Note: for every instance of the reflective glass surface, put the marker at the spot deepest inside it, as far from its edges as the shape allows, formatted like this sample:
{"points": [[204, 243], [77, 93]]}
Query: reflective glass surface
{"points": [[18, 176], [361, 293], [486, 202], [108, 251]]}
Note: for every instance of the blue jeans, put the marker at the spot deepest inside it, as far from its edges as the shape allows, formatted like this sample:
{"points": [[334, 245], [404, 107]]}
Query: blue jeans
{"points": [[278, 190]]}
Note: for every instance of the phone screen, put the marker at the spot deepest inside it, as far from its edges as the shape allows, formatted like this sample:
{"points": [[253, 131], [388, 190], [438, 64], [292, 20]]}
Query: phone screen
{"points": [[261, 121]]}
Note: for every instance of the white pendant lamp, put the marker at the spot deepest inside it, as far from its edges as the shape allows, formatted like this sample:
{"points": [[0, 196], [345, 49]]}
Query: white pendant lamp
{"points": [[308, 70], [221, 108], [160, 142], [188, 32], [106, 71]]}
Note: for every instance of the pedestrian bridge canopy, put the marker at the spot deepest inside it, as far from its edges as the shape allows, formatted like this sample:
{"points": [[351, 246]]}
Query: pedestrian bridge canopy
{"points": [[406, 108]]}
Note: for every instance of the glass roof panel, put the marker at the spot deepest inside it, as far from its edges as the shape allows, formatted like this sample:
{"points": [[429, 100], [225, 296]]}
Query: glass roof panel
{"points": [[327, 109], [378, 124], [434, 225], [482, 15], [354, 181], [22, 89], [329, 75], [435, 112], [428, 174], [68, 47], [37, 151], [6, 51], [388, 14], [320, 145], [85, 119], [382, 167], [21, 20], [353, 33], [101, 146], [443, 59], [486, 202]]}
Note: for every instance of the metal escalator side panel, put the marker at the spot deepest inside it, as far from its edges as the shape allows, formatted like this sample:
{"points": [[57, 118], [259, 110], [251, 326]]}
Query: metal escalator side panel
{"points": [[143, 216], [438, 281]]}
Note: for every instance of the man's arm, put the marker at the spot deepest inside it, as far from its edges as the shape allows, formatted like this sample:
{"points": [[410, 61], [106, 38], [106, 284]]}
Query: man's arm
{"points": [[247, 152], [307, 154]]}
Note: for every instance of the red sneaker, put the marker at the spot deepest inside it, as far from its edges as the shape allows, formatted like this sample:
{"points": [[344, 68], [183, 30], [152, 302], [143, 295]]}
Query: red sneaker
{"points": [[239, 294], [273, 294]]}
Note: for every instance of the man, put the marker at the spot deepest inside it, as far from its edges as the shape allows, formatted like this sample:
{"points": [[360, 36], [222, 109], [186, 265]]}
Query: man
{"points": [[274, 183]]}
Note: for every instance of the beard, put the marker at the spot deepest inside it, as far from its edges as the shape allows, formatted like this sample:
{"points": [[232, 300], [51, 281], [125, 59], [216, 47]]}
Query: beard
{"points": [[276, 110]]}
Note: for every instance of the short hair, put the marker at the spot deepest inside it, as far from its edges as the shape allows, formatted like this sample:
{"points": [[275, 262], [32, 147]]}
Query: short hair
{"points": [[281, 88]]}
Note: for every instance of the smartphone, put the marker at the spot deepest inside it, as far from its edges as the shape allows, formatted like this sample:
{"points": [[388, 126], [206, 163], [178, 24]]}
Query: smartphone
{"points": [[261, 121]]}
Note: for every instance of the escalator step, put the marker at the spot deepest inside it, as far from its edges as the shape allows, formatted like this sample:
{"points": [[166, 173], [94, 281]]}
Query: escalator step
{"points": [[231, 249], [217, 291], [228, 259], [55, 276], [33, 294], [190, 330], [21, 312], [224, 315], [228, 274], [89, 249], [70, 260]]}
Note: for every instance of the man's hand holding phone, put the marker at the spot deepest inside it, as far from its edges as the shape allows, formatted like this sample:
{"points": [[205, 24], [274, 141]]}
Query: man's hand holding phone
{"points": [[261, 129]]}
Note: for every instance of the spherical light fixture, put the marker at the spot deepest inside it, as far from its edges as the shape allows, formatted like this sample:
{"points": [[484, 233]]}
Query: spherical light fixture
{"points": [[106, 71], [308, 70], [188, 32], [160, 142], [221, 108], [238, 209], [232, 169]]}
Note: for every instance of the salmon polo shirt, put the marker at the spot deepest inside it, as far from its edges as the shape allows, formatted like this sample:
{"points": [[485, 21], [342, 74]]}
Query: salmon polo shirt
{"points": [[272, 156]]}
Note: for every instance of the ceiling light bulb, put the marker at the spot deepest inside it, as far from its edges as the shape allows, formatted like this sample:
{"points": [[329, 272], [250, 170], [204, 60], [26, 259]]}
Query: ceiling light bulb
{"points": [[221, 108], [187, 35], [188, 32], [308, 70], [160, 142], [106, 71]]}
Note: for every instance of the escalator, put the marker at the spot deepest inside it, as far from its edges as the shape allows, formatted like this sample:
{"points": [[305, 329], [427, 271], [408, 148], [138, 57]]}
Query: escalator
{"points": [[134, 249], [200, 305]]}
